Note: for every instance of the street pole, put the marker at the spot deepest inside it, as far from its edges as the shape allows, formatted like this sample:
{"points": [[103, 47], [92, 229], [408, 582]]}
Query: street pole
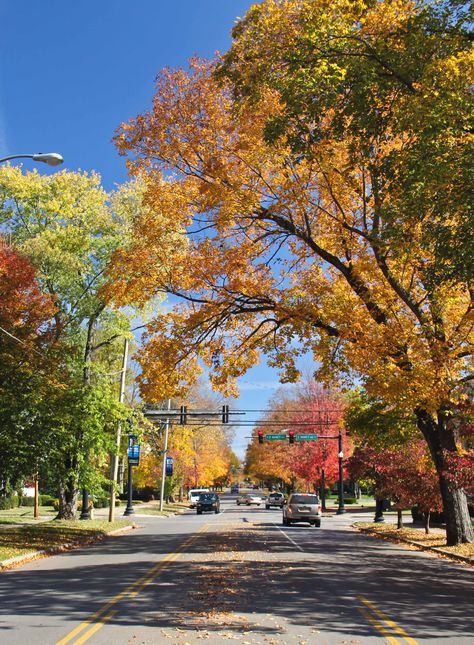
{"points": [[85, 512], [114, 458], [36, 513], [323, 490], [341, 508], [130, 510], [165, 450]]}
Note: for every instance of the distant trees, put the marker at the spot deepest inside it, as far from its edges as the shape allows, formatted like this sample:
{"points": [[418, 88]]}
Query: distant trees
{"points": [[201, 449], [305, 464]]}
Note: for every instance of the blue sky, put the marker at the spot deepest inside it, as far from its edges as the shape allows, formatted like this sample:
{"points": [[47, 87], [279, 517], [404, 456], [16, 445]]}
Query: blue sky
{"points": [[73, 71]]}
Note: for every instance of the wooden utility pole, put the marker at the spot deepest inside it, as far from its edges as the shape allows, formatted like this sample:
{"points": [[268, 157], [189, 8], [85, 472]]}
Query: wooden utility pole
{"points": [[114, 458]]}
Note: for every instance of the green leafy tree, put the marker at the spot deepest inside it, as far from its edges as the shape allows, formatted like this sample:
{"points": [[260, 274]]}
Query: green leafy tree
{"points": [[69, 227]]}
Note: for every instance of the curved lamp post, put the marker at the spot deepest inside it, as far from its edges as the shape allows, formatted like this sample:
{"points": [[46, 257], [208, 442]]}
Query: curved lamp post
{"points": [[51, 158]]}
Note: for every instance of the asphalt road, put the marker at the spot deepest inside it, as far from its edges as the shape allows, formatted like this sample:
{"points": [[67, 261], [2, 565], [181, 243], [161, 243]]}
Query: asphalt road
{"points": [[238, 576]]}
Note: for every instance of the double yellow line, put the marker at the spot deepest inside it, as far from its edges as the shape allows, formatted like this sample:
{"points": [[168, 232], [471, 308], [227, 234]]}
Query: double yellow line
{"points": [[103, 615], [384, 623]]}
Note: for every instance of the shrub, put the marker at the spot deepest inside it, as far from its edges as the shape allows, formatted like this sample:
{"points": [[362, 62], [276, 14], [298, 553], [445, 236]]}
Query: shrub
{"points": [[46, 500], [9, 501], [350, 500], [27, 501]]}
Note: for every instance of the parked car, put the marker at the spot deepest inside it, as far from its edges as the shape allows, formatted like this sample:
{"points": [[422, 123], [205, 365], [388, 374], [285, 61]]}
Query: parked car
{"points": [[302, 507], [194, 495], [248, 499], [275, 499], [208, 502]]}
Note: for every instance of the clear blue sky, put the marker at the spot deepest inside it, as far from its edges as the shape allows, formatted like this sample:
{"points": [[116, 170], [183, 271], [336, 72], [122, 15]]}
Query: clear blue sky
{"points": [[73, 71]]}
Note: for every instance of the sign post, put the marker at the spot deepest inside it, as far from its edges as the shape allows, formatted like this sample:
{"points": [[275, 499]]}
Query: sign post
{"points": [[133, 454]]}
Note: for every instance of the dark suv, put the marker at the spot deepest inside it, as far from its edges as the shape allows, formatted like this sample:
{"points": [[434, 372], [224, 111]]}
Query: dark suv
{"points": [[208, 502], [275, 499]]}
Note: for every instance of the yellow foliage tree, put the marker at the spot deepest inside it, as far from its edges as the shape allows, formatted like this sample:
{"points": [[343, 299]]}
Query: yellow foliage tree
{"points": [[310, 235]]}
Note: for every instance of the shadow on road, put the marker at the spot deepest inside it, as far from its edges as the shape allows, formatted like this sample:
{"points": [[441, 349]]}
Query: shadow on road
{"points": [[252, 570]]}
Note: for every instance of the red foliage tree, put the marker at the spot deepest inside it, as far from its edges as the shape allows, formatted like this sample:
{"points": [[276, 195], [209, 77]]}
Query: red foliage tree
{"points": [[322, 410], [403, 474], [24, 310]]}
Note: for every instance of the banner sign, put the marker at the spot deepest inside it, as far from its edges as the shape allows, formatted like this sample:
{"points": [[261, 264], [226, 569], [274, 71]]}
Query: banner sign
{"points": [[169, 466], [133, 452]]}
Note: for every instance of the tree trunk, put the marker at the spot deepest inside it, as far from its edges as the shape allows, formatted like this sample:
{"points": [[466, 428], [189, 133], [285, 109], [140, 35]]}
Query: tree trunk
{"points": [[68, 501], [440, 438], [426, 521], [399, 519]]}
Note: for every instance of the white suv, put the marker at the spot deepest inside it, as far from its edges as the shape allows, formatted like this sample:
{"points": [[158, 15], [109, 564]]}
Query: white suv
{"points": [[194, 495]]}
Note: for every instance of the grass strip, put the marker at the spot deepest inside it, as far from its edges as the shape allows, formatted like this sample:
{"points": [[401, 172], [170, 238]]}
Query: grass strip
{"points": [[20, 540]]}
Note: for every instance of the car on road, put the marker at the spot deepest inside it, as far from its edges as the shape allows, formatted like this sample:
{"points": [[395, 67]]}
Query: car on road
{"points": [[194, 495], [275, 499], [234, 488], [302, 507], [208, 502], [248, 499]]}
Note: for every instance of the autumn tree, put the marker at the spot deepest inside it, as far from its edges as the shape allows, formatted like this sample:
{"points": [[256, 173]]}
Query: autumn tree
{"points": [[312, 179], [403, 474], [68, 227], [310, 408], [28, 367]]}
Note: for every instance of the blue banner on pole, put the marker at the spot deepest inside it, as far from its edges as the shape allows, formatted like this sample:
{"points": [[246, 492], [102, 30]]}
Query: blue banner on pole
{"points": [[133, 452], [169, 466]]}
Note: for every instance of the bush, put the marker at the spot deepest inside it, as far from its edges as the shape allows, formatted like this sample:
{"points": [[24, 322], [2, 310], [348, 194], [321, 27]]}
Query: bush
{"points": [[27, 501], [350, 500], [47, 500], [9, 501]]}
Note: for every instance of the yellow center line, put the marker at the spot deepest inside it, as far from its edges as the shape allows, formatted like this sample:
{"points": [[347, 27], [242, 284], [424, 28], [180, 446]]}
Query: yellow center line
{"points": [[95, 628], [131, 591], [388, 621], [378, 626]]}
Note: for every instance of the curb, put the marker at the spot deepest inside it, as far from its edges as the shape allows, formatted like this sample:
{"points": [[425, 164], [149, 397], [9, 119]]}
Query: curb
{"points": [[419, 545], [18, 560]]}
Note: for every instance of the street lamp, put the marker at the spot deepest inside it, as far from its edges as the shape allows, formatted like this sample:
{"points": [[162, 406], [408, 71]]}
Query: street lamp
{"points": [[50, 158]]}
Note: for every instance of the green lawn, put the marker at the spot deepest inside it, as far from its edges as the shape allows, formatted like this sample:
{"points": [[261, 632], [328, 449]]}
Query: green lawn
{"points": [[25, 514], [19, 540]]}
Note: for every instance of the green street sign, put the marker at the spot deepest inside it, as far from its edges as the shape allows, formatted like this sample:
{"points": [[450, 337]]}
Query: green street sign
{"points": [[274, 437], [306, 437]]}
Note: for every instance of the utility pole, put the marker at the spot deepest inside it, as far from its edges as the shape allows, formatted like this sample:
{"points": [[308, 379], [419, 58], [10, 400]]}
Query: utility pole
{"points": [[165, 450], [114, 458], [341, 508]]}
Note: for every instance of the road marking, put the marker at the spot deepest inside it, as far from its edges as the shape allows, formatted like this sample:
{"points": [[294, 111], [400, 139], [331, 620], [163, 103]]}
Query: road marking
{"points": [[98, 617], [288, 537], [378, 626], [95, 628], [388, 621]]}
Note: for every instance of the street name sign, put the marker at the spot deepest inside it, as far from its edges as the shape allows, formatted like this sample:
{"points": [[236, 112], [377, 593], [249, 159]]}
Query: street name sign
{"points": [[275, 437], [306, 437]]}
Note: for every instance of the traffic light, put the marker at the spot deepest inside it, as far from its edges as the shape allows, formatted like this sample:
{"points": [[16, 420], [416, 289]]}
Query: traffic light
{"points": [[225, 414], [183, 415], [260, 436], [291, 436]]}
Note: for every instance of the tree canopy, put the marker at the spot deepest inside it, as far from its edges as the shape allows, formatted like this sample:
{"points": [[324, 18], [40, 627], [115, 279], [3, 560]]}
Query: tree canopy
{"points": [[321, 173]]}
